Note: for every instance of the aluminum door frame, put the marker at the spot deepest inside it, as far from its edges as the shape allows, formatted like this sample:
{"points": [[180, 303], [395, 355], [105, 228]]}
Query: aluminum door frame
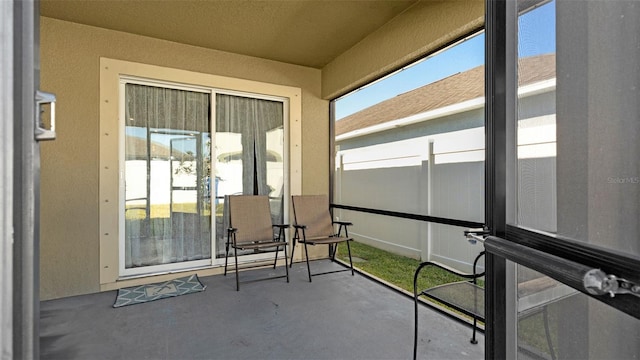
{"points": [[26, 173], [7, 32], [500, 112]]}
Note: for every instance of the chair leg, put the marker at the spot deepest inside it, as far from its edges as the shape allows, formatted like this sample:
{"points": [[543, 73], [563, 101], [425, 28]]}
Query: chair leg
{"points": [[226, 257], [415, 315], [475, 326], [275, 261], [235, 255], [306, 253], [286, 268], [350, 260], [545, 317], [293, 248]]}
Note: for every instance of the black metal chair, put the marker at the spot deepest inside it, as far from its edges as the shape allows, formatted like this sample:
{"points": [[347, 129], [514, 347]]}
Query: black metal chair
{"points": [[467, 297], [464, 296], [250, 228], [314, 227]]}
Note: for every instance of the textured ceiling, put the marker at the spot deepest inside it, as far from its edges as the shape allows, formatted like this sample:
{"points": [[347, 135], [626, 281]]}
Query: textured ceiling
{"points": [[303, 32]]}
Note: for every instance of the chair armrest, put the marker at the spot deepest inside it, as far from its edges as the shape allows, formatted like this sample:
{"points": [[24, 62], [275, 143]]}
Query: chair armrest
{"points": [[345, 223], [443, 267], [448, 269], [281, 228], [451, 270], [297, 226]]}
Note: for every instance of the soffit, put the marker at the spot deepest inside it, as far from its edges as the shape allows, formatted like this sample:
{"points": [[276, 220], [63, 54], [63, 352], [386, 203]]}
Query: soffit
{"points": [[303, 32]]}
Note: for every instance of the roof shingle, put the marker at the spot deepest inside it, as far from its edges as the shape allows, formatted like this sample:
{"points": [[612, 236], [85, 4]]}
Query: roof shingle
{"points": [[451, 90]]}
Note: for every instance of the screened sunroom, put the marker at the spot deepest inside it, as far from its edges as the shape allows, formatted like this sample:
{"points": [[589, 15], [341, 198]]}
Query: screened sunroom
{"points": [[417, 119]]}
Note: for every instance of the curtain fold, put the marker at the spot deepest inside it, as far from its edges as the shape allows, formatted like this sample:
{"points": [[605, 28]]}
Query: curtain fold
{"points": [[253, 119]]}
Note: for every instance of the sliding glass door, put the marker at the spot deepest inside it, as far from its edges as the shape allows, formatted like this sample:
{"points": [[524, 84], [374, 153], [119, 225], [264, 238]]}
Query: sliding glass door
{"points": [[565, 260], [249, 155], [167, 213], [179, 165]]}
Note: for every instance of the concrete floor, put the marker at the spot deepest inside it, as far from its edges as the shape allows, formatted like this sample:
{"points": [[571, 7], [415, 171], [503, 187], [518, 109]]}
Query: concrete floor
{"points": [[337, 316]]}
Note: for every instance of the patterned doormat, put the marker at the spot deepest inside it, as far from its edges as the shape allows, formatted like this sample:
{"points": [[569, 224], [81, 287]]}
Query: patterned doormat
{"points": [[145, 293]]}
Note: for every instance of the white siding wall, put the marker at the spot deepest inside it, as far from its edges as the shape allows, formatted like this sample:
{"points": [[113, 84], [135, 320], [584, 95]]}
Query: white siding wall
{"points": [[387, 173], [395, 176]]}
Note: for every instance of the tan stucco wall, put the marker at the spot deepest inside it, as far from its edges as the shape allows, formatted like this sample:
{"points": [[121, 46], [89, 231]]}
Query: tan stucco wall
{"points": [[420, 30], [70, 58]]}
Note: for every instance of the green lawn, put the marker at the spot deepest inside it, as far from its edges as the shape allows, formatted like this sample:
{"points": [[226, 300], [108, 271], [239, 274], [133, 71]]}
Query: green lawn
{"points": [[395, 269]]}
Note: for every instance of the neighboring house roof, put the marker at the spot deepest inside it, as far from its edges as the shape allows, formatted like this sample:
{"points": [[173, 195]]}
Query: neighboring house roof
{"points": [[451, 90]]}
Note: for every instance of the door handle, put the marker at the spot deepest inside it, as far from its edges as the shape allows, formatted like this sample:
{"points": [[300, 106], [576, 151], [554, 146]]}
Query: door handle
{"points": [[476, 235], [41, 133], [597, 282]]}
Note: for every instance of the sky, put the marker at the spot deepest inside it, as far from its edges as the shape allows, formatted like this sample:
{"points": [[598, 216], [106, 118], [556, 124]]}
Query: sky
{"points": [[536, 36]]}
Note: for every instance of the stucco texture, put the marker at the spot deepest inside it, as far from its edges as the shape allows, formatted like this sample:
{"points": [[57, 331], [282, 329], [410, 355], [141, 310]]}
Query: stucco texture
{"points": [[70, 58]]}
